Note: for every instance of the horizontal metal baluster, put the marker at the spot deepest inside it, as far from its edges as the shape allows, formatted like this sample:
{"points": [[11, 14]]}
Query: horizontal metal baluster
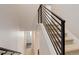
{"points": [[56, 30], [54, 14], [53, 39], [53, 17], [53, 22], [55, 27], [50, 35]]}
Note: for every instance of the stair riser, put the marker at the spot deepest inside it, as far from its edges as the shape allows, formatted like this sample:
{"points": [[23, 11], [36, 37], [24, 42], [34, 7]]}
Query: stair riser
{"points": [[76, 52], [68, 42]]}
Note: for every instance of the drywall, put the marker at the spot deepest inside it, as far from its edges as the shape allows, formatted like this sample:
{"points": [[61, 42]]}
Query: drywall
{"points": [[10, 35], [70, 13], [28, 16], [41, 41], [14, 20], [45, 45]]}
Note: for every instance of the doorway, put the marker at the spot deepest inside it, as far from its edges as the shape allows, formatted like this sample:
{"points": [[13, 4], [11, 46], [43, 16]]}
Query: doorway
{"points": [[28, 44]]}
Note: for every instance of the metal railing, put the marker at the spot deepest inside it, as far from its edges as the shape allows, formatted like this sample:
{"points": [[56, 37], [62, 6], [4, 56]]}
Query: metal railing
{"points": [[4, 51], [55, 27]]}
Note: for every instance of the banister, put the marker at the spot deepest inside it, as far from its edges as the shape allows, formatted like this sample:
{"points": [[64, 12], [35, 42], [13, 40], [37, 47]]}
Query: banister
{"points": [[55, 27], [54, 14]]}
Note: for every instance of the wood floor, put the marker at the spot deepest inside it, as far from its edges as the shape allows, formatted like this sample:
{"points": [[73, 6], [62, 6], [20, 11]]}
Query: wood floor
{"points": [[29, 49]]}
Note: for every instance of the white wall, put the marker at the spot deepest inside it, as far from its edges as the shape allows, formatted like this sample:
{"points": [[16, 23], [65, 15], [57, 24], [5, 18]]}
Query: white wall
{"points": [[28, 16], [14, 20], [70, 13], [10, 35], [42, 42]]}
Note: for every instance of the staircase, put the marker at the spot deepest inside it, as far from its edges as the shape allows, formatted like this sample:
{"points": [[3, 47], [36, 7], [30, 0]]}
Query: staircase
{"points": [[4, 51], [71, 48], [61, 39], [55, 27]]}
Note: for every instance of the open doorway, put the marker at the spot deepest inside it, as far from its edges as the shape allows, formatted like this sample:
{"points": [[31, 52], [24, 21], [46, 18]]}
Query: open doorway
{"points": [[29, 39], [28, 42]]}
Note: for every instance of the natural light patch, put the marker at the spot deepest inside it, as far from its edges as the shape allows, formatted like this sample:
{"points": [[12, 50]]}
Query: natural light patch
{"points": [[18, 33]]}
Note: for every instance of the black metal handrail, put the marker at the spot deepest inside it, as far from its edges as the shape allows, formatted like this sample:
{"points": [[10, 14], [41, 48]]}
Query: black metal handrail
{"points": [[55, 27], [3, 51]]}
